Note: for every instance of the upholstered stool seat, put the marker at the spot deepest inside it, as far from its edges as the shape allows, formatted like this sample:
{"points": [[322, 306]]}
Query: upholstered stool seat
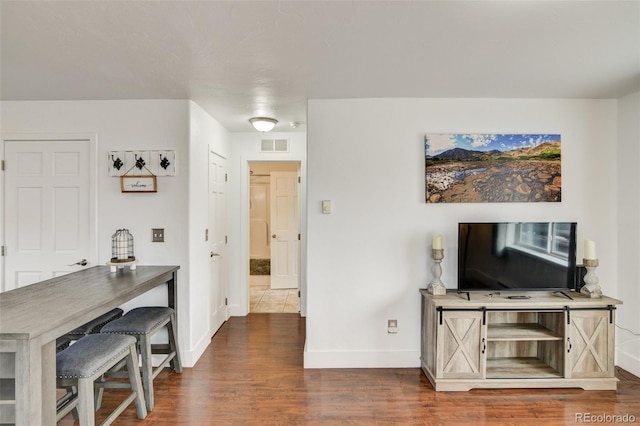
{"points": [[62, 343], [95, 324], [143, 323], [82, 363]]}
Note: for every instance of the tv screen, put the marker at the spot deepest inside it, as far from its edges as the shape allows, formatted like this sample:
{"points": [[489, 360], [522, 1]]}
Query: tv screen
{"points": [[524, 256]]}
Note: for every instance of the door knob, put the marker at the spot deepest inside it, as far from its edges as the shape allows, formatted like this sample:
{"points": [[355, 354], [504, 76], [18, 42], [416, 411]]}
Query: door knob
{"points": [[214, 254], [274, 236]]}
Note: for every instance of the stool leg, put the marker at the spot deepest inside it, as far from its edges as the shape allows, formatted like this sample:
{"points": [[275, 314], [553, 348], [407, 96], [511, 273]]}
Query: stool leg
{"points": [[136, 384], [173, 344], [86, 409], [147, 370], [99, 392], [73, 390]]}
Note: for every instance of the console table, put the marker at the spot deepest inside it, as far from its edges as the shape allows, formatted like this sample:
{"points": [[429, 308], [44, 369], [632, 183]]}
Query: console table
{"points": [[32, 317], [491, 341]]}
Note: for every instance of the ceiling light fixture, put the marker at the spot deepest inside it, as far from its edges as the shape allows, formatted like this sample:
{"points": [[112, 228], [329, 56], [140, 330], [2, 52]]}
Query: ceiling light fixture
{"points": [[263, 124]]}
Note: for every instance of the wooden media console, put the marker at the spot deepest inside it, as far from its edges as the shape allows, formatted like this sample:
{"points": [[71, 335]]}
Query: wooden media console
{"points": [[491, 341]]}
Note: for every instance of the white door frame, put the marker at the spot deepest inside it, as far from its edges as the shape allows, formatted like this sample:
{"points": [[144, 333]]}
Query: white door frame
{"points": [[243, 308], [91, 139]]}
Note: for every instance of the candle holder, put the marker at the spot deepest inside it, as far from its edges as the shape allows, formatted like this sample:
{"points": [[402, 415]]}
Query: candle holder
{"points": [[436, 287], [122, 251], [591, 287]]}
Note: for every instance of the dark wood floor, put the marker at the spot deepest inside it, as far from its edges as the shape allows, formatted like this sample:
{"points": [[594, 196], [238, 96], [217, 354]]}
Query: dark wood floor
{"points": [[252, 374]]}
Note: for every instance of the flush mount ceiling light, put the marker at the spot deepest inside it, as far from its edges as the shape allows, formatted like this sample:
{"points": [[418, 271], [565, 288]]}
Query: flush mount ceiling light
{"points": [[263, 124]]}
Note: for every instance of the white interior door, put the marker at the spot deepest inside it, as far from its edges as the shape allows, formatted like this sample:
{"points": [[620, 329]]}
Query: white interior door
{"points": [[47, 209], [259, 235], [217, 240], [285, 230]]}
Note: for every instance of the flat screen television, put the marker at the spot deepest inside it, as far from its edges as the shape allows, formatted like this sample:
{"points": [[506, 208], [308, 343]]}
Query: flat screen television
{"points": [[520, 256]]}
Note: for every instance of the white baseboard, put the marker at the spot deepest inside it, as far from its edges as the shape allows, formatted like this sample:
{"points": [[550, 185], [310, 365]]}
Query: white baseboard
{"points": [[361, 359], [629, 362], [236, 311], [190, 357]]}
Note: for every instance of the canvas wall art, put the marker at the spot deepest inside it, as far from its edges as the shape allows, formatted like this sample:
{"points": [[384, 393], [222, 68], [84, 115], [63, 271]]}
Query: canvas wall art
{"points": [[489, 168]]}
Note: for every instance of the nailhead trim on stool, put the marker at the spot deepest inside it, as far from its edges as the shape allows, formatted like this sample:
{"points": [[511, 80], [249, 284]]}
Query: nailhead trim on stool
{"points": [[87, 360], [143, 323]]}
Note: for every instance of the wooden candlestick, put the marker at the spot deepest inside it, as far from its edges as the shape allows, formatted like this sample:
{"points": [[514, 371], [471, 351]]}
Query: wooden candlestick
{"points": [[591, 286], [436, 287]]}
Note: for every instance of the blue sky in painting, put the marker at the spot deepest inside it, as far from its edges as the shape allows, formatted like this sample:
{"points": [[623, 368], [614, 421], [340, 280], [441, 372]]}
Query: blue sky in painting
{"points": [[436, 143]]}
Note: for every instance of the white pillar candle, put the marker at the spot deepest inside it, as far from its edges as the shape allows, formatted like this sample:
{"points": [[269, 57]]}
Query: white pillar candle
{"points": [[437, 242], [590, 249]]}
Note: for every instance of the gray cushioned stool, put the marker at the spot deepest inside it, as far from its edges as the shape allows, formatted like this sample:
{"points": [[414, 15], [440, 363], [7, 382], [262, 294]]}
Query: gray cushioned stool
{"points": [[143, 323], [95, 324], [87, 360], [62, 343]]}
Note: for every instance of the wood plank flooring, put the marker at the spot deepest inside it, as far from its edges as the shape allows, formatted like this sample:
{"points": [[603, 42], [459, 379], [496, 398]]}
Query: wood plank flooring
{"points": [[252, 374]]}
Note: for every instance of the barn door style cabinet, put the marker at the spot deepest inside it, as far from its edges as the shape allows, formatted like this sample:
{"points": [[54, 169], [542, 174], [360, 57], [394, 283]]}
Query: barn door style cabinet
{"points": [[547, 341]]}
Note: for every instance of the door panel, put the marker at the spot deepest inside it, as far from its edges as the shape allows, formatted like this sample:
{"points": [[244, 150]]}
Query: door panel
{"points": [[47, 209], [259, 235], [217, 240], [285, 228], [590, 345], [459, 346]]}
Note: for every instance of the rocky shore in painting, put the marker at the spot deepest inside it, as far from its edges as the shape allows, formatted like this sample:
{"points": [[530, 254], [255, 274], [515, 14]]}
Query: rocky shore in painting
{"points": [[494, 181]]}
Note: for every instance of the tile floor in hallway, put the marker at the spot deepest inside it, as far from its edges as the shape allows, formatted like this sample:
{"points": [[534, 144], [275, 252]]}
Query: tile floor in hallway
{"points": [[263, 299]]}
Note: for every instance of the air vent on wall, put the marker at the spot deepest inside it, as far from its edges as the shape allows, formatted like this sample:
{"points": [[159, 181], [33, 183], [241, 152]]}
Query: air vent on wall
{"points": [[274, 145]]}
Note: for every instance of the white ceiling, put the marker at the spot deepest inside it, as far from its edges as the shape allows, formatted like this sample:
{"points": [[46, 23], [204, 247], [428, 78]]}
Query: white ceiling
{"points": [[242, 59]]}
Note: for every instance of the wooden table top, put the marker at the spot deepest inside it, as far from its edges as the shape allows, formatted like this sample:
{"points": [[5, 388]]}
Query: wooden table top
{"points": [[51, 308], [501, 300]]}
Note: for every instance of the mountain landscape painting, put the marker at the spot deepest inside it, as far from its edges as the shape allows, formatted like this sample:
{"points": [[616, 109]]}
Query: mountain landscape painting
{"points": [[490, 168]]}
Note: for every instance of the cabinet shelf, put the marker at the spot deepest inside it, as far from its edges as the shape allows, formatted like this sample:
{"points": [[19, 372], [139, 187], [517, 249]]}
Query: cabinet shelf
{"points": [[7, 391], [517, 368], [511, 332]]}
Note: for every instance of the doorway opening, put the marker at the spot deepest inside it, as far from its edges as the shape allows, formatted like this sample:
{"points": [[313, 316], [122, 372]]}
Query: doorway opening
{"points": [[274, 236]]}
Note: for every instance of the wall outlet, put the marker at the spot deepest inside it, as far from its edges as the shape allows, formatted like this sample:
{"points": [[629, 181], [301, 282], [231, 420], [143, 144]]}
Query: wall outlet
{"points": [[157, 235], [392, 326]]}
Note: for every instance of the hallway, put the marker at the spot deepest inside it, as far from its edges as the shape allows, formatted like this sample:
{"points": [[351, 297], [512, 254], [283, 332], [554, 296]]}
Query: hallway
{"points": [[252, 374], [264, 299]]}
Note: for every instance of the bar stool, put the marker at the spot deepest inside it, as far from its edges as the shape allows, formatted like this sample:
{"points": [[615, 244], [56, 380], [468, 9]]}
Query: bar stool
{"points": [[143, 323], [95, 324], [62, 343], [78, 367]]}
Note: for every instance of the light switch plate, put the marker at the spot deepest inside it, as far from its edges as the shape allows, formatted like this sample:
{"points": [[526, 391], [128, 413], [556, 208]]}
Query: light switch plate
{"points": [[157, 235], [326, 206]]}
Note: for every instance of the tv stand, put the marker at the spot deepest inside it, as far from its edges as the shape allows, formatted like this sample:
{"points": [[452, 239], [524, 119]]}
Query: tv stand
{"points": [[564, 294], [542, 342], [465, 292]]}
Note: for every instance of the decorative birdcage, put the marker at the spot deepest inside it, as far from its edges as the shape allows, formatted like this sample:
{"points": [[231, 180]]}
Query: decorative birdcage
{"points": [[122, 246]]}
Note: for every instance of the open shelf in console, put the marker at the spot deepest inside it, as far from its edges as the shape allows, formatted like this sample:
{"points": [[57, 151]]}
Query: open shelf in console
{"points": [[508, 332], [524, 344], [519, 367]]}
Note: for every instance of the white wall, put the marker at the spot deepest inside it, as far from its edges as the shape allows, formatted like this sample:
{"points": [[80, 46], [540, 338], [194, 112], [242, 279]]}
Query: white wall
{"points": [[245, 147], [367, 260], [628, 229], [205, 134], [128, 125]]}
